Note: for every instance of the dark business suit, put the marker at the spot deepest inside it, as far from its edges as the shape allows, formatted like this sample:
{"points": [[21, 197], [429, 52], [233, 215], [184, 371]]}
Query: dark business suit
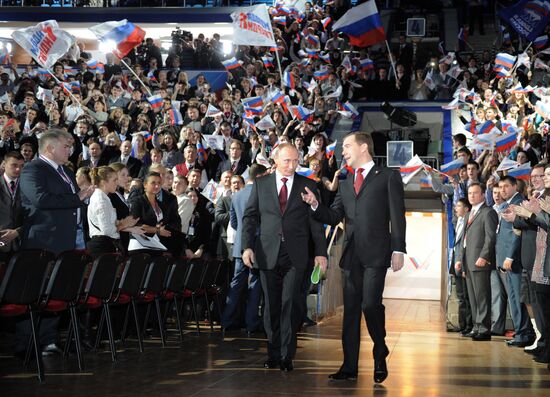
{"points": [[529, 229], [368, 216], [480, 236], [50, 208], [133, 165], [11, 217], [50, 223], [464, 310], [226, 166], [219, 230], [281, 254], [508, 245]]}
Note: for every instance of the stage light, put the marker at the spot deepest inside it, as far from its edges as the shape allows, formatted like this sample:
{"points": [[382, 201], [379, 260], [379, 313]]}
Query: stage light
{"points": [[107, 46], [399, 116], [227, 47]]}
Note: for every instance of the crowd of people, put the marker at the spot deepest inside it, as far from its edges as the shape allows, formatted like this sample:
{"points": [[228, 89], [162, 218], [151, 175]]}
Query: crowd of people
{"points": [[130, 167]]}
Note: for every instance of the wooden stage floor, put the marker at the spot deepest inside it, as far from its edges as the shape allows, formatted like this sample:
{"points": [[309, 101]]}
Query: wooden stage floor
{"points": [[424, 361]]}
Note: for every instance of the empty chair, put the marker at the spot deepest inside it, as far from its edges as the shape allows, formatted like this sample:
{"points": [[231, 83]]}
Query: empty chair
{"points": [[193, 284], [174, 290], [21, 289]]}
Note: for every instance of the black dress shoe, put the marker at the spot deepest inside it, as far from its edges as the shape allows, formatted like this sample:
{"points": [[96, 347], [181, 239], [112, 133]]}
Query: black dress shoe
{"points": [[341, 375], [308, 322], [287, 365], [470, 334], [380, 371], [541, 359], [51, 349], [271, 363], [481, 337], [535, 352]]}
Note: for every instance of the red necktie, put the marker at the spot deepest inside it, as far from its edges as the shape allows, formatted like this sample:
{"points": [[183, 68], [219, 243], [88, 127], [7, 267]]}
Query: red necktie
{"points": [[283, 196], [358, 180]]}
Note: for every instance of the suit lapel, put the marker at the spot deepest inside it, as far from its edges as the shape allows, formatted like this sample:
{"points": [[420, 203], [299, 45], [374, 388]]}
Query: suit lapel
{"points": [[468, 224], [375, 170], [297, 187], [272, 185]]}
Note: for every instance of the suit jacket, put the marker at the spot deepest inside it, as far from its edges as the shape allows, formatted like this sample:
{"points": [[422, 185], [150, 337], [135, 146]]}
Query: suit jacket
{"points": [[226, 166], [11, 213], [458, 239], [508, 244], [50, 208], [238, 205], [296, 226], [368, 216], [133, 165], [480, 236], [219, 229], [529, 228]]}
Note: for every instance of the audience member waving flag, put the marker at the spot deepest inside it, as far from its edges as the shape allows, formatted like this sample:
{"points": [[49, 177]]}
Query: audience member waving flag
{"points": [[452, 168], [521, 172], [362, 24], [123, 34], [45, 42], [252, 26], [409, 170]]}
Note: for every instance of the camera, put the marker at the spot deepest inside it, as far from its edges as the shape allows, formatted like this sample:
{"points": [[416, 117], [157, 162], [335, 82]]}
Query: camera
{"points": [[180, 35]]}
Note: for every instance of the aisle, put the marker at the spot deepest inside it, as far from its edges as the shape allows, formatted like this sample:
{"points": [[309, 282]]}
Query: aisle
{"points": [[424, 361]]}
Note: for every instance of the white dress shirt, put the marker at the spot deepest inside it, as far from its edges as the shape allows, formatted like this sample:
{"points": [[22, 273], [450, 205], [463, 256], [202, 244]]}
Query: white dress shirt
{"points": [[102, 216], [366, 169], [289, 182]]}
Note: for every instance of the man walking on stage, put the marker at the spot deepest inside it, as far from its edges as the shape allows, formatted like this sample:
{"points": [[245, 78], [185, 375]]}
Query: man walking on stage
{"points": [[372, 203], [277, 227]]}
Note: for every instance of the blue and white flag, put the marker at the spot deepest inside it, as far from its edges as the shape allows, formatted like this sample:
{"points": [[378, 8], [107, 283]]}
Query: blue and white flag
{"points": [[528, 17]]}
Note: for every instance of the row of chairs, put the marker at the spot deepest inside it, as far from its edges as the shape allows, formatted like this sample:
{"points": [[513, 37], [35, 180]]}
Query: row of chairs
{"points": [[36, 283]]}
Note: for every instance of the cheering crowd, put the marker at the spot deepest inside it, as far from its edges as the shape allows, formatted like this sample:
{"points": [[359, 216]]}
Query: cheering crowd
{"points": [[160, 156]]}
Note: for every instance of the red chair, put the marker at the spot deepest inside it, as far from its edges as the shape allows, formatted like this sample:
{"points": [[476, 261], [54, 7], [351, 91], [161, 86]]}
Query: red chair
{"points": [[63, 291], [21, 289]]}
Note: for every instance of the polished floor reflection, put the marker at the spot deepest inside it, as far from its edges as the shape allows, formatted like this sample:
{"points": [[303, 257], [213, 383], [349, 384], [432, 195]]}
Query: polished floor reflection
{"points": [[424, 361]]}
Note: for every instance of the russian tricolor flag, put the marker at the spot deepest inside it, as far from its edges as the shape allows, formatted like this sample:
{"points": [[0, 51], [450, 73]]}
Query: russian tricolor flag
{"points": [[487, 127], [201, 152], [325, 57], [366, 64], [289, 80], [92, 63], [329, 150], [175, 117], [362, 24], [280, 20], [521, 172], [326, 22], [301, 113], [471, 127], [252, 112], [540, 42], [350, 108], [268, 62], [313, 40], [506, 142], [155, 101], [321, 74], [254, 102], [463, 34], [505, 61], [231, 64], [453, 167], [100, 68], [151, 76], [307, 172], [124, 34]]}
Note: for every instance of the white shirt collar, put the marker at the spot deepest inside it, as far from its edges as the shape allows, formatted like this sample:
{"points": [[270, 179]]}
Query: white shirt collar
{"points": [[366, 167], [279, 176], [476, 207], [50, 162], [8, 179]]}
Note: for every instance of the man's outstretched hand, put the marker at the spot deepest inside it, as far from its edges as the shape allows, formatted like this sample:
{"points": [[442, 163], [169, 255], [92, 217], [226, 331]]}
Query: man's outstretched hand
{"points": [[310, 198]]}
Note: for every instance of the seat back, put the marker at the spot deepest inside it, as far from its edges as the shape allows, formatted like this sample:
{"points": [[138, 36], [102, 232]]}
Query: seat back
{"points": [[133, 276], [155, 279], [195, 275], [102, 278], [25, 277], [177, 274], [67, 276], [211, 273]]}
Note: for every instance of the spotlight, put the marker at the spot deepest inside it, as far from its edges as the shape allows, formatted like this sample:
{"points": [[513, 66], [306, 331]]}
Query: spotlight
{"points": [[399, 116]]}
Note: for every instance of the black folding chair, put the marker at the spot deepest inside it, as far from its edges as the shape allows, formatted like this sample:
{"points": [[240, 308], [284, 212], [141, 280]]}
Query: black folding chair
{"points": [[21, 289], [174, 290], [193, 284]]}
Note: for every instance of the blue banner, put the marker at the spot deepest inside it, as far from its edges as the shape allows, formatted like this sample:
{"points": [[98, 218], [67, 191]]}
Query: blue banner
{"points": [[528, 17]]}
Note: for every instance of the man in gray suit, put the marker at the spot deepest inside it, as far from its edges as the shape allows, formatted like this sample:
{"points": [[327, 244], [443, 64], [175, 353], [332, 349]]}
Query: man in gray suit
{"points": [[243, 276], [476, 257], [508, 254], [11, 212]]}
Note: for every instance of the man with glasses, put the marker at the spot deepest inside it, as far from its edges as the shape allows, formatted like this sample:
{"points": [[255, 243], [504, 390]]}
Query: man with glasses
{"points": [[236, 162], [528, 251]]}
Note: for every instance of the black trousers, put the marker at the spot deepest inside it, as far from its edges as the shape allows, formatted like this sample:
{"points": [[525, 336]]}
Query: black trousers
{"points": [[363, 289], [464, 309], [543, 300], [283, 311]]}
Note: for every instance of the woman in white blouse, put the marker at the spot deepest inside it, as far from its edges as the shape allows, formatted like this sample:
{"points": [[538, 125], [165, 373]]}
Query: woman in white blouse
{"points": [[102, 217]]}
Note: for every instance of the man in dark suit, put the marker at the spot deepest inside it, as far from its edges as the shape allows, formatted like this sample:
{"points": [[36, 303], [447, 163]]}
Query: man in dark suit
{"points": [[11, 212], [242, 276], [53, 212], [528, 229], [96, 159], [370, 202], [133, 164], [476, 257], [281, 250], [508, 255], [236, 163]]}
